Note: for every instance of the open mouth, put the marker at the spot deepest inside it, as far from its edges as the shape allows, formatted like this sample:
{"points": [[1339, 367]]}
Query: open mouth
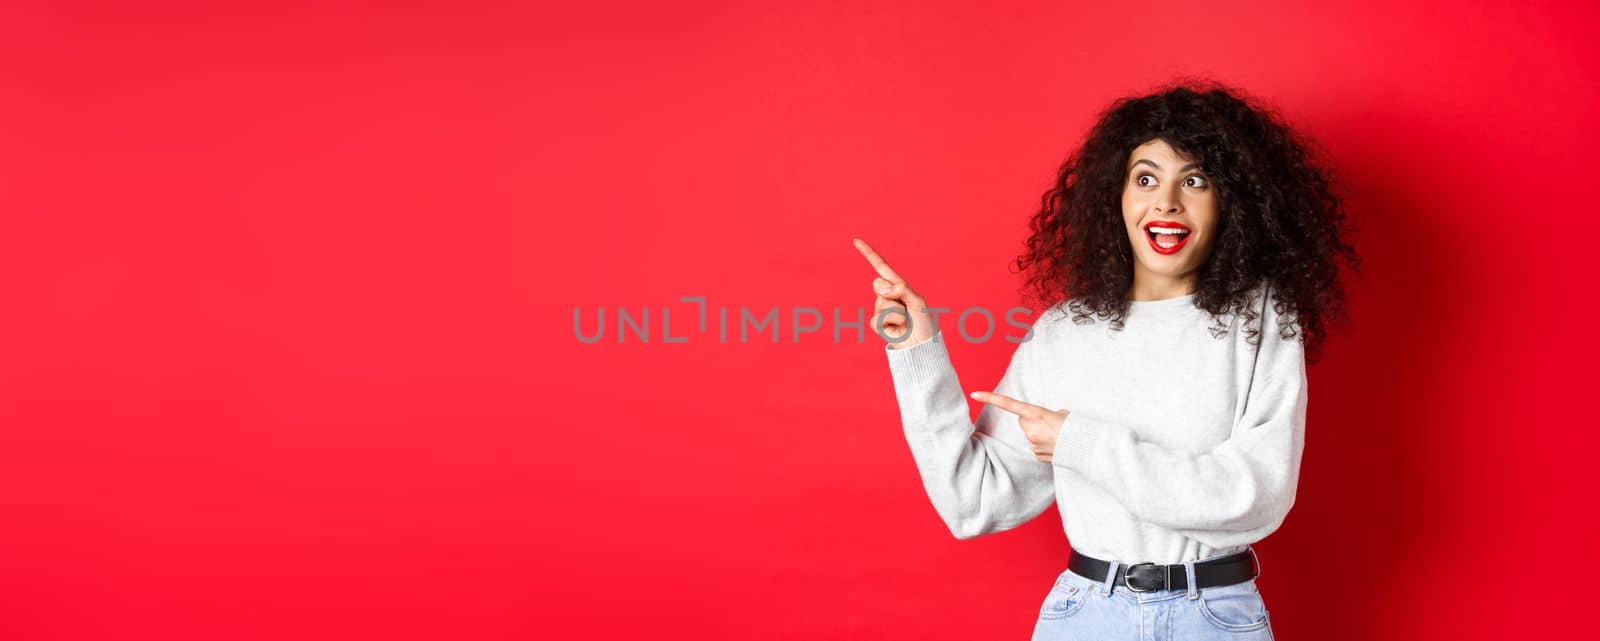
{"points": [[1166, 237]]}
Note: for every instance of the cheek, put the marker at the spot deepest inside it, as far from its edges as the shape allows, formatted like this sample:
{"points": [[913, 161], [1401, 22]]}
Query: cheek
{"points": [[1210, 234], [1208, 221], [1130, 224]]}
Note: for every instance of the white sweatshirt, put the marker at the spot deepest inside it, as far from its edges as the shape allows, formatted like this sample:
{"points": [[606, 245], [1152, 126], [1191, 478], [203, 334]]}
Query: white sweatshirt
{"points": [[1179, 445]]}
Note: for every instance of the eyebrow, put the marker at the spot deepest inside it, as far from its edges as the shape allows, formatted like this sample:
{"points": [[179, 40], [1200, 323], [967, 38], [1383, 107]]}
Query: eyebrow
{"points": [[1152, 163]]}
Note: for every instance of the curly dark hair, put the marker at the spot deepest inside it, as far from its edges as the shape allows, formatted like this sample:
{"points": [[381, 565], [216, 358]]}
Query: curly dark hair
{"points": [[1280, 224]]}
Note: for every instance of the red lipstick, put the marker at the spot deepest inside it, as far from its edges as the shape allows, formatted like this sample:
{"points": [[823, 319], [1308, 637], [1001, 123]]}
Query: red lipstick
{"points": [[1166, 237]]}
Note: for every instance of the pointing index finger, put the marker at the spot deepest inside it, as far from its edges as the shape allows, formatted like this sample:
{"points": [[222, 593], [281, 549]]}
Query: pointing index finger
{"points": [[1008, 404], [877, 261]]}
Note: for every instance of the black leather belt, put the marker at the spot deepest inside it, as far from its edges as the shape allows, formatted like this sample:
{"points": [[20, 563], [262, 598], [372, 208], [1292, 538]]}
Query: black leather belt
{"points": [[1149, 577]]}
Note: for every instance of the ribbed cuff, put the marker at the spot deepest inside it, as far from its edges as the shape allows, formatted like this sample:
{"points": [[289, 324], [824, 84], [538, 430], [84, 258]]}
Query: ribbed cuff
{"points": [[921, 363], [1076, 444]]}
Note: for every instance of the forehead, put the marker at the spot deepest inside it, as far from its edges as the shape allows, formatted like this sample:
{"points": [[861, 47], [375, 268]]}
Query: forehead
{"points": [[1161, 153]]}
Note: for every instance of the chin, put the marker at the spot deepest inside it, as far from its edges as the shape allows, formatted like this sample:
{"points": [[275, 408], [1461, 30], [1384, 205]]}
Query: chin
{"points": [[1172, 266]]}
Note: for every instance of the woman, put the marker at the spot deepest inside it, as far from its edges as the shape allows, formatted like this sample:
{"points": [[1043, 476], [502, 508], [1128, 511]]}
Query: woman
{"points": [[1189, 257]]}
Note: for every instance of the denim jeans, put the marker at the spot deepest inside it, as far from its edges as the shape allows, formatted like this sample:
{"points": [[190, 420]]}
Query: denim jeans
{"points": [[1083, 608]]}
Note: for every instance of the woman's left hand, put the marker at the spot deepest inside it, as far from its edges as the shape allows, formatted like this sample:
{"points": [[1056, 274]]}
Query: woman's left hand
{"points": [[1040, 425]]}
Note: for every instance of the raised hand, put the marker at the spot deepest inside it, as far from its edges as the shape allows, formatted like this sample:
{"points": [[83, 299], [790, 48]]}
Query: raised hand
{"points": [[1042, 426], [910, 326]]}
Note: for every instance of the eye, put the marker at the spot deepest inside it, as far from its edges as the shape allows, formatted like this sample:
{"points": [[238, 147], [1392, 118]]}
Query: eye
{"points": [[1139, 180], [1203, 182]]}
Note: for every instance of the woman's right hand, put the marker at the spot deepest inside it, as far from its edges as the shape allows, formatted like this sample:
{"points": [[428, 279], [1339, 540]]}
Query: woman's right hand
{"points": [[909, 326]]}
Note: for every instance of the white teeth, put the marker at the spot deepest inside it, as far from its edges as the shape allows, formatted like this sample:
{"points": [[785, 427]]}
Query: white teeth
{"points": [[1167, 230]]}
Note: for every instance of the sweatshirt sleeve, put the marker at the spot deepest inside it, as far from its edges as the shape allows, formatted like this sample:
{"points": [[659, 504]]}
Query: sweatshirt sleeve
{"points": [[1234, 493], [981, 478]]}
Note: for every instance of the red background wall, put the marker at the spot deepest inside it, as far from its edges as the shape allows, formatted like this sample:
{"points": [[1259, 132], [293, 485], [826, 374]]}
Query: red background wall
{"points": [[288, 347]]}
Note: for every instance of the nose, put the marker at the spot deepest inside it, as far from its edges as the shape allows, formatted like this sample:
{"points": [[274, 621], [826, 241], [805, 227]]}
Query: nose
{"points": [[1166, 202]]}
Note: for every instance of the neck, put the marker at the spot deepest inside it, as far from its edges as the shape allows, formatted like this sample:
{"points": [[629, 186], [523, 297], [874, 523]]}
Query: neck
{"points": [[1147, 286]]}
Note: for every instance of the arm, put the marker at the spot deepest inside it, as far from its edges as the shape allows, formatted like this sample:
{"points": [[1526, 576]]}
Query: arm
{"points": [[1234, 493], [981, 479]]}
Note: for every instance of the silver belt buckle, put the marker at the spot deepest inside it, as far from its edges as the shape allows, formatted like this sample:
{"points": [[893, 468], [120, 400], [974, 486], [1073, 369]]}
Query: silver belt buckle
{"points": [[1166, 578]]}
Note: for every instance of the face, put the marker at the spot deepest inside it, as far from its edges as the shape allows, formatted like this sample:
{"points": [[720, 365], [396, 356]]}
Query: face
{"points": [[1170, 210]]}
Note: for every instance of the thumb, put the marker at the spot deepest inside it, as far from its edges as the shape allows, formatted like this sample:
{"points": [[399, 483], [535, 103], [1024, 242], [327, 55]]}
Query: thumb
{"points": [[899, 290]]}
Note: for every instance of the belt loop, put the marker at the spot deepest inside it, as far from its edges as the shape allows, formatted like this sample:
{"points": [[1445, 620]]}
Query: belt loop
{"points": [[1188, 573], [1112, 576]]}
